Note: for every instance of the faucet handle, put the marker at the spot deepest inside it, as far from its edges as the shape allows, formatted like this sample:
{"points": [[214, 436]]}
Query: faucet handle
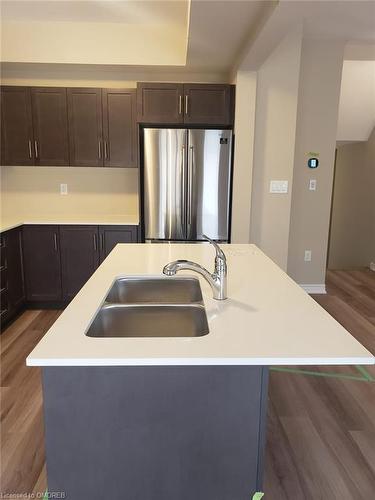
{"points": [[219, 253]]}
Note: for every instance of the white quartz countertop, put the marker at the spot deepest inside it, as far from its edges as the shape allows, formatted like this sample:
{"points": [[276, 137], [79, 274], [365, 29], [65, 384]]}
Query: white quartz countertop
{"points": [[83, 220], [267, 319]]}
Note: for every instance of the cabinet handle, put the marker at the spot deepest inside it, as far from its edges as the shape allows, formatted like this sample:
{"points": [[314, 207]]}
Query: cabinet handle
{"points": [[100, 149], [55, 241], [36, 149], [180, 105], [105, 150], [30, 150], [186, 104], [95, 243]]}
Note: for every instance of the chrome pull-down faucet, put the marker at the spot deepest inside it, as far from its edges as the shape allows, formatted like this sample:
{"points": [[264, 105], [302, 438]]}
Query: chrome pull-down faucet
{"points": [[217, 279]]}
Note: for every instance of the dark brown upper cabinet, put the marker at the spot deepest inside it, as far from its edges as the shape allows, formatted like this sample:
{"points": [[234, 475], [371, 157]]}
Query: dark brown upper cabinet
{"points": [[79, 247], [85, 127], [16, 126], [119, 128], [54, 126], [192, 104], [41, 255], [50, 125], [160, 103], [208, 104]]}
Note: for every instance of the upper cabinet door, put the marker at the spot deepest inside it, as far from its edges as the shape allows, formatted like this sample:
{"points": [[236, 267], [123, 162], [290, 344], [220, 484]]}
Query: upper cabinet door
{"points": [[85, 127], [160, 103], [119, 127], [208, 104], [16, 126], [50, 123]]}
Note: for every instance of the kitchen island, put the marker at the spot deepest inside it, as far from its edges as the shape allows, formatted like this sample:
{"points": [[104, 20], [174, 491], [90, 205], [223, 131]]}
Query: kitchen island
{"points": [[177, 417]]}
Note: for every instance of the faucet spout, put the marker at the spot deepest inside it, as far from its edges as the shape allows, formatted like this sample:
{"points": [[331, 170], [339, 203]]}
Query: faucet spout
{"points": [[217, 279]]}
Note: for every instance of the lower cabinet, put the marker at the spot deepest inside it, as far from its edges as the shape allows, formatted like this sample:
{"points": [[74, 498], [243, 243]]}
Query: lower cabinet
{"points": [[41, 251], [16, 283], [79, 250], [11, 274], [111, 235], [4, 292], [60, 259]]}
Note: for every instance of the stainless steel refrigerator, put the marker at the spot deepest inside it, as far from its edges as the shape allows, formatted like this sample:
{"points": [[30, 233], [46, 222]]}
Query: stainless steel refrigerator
{"points": [[186, 184]]}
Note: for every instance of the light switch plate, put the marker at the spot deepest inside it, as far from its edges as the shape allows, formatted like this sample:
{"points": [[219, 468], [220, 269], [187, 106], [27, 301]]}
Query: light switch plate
{"points": [[307, 256], [63, 188], [312, 185], [279, 187]]}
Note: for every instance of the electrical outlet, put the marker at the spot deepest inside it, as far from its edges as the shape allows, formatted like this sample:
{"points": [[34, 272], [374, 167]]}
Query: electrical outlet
{"points": [[312, 185], [63, 188], [307, 256]]}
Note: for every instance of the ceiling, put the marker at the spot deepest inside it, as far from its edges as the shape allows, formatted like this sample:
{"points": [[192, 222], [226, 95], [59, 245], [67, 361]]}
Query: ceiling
{"points": [[203, 36], [219, 30], [350, 21], [127, 32], [127, 12], [199, 35]]}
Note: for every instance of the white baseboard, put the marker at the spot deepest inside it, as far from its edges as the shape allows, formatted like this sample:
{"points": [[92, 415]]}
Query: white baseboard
{"points": [[372, 266], [314, 288]]}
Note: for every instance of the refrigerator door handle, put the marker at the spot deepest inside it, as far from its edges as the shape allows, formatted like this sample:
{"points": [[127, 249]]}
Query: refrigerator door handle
{"points": [[190, 184], [183, 189]]}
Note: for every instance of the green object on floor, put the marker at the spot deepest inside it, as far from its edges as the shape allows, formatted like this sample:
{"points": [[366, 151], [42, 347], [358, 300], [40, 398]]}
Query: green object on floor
{"points": [[45, 496], [364, 377], [365, 373], [258, 495]]}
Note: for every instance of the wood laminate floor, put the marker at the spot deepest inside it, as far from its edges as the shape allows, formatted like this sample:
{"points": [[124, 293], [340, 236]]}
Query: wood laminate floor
{"points": [[321, 431]]}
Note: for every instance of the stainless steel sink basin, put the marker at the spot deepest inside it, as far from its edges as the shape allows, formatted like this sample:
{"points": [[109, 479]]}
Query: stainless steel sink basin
{"points": [[155, 290], [149, 306], [162, 320]]}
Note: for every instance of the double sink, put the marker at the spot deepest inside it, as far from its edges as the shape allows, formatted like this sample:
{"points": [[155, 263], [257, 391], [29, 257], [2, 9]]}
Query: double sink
{"points": [[152, 307]]}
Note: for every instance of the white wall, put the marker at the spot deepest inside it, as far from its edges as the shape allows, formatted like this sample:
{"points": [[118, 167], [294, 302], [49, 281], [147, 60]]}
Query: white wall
{"points": [[298, 90], [34, 192], [318, 102], [96, 41], [243, 159], [275, 128], [352, 236], [86, 75], [357, 101]]}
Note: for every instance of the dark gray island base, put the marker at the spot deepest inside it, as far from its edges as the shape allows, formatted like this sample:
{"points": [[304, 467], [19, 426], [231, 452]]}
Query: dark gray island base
{"points": [[155, 432]]}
